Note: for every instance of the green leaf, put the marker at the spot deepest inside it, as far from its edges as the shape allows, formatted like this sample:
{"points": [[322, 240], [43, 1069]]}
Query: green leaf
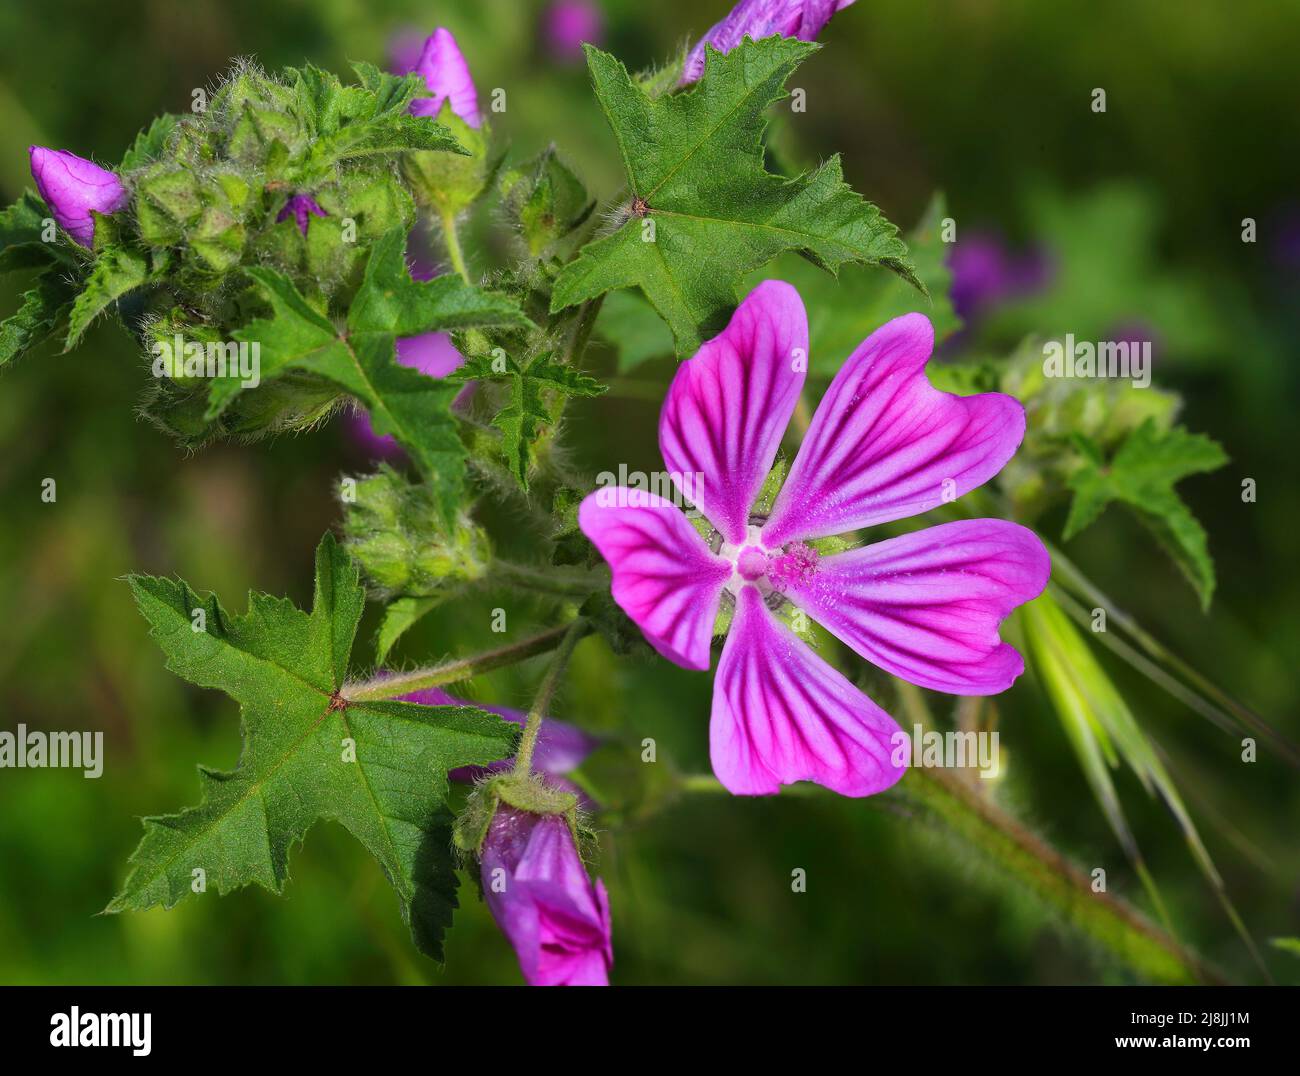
{"points": [[149, 143], [695, 170], [41, 309], [361, 359], [349, 122], [1142, 474], [377, 768], [21, 243], [844, 310], [1287, 945], [116, 272], [1103, 731], [399, 617], [529, 410], [631, 326]]}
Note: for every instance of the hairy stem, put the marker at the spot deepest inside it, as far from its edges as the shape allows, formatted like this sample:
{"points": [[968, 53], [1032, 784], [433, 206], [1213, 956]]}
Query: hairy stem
{"points": [[533, 725], [548, 580], [449, 672], [452, 240]]}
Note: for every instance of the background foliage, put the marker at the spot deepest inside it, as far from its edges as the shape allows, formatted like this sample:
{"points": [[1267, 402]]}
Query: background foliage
{"points": [[1139, 212]]}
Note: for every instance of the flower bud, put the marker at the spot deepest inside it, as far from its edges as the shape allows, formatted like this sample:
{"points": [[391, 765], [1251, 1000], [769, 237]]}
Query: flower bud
{"points": [[446, 73], [539, 893], [72, 187], [803, 19]]}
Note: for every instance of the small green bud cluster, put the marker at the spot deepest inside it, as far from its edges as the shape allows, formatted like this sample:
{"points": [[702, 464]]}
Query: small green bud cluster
{"points": [[396, 533]]}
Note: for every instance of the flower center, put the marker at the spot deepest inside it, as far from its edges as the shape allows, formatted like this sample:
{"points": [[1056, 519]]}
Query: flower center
{"points": [[752, 563], [769, 570]]}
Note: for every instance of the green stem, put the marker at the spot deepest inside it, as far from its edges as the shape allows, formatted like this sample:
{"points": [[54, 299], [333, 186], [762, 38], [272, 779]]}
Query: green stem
{"points": [[555, 581], [449, 672], [533, 724], [453, 246]]}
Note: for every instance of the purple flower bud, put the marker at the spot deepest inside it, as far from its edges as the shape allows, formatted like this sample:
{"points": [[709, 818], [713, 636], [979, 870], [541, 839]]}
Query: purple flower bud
{"points": [[544, 902], [73, 186], [447, 75], [560, 748], [299, 206], [803, 19], [569, 23]]}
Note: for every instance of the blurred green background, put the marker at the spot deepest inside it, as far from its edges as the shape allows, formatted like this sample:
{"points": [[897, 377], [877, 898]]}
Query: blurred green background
{"points": [[1140, 208]]}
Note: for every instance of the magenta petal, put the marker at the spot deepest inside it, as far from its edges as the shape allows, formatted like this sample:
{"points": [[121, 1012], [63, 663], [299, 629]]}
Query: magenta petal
{"points": [[728, 407], [539, 893], [926, 606], [433, 354], [885, 444], [665, 577], [445, 72], [781, 714]]}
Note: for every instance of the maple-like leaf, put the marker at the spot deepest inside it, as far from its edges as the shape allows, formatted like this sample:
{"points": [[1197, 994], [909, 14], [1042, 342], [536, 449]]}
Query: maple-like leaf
{"points": [[703, 210], [377, 768], [1142, 474]]}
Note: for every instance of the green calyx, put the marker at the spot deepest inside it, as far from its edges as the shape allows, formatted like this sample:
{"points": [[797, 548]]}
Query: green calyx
{"points": [[449, 184], [529, 793]]}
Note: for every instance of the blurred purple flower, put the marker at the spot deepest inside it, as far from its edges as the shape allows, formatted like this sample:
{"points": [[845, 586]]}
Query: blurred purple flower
{"points": [[300, 207], [1135, 333], [560, 749], [446, 73], [73, 186], [803, 19], [543, 900], [986, 273], [568, 23]]}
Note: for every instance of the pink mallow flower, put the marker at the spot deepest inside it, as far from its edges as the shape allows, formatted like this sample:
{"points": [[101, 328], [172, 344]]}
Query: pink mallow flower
{"points": [[883, 445], [803, 19], [445, 72], [567, 24], [543, 900], [73, 186]]}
